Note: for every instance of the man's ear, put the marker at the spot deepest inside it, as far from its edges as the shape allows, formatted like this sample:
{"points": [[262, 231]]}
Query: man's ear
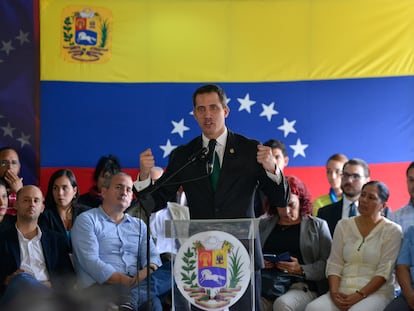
{"points": [[226, 111]]}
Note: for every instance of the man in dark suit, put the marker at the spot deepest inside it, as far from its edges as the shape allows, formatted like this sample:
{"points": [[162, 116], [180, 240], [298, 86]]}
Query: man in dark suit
{"points": [[32, 260], [355, 174], [244, 164]]}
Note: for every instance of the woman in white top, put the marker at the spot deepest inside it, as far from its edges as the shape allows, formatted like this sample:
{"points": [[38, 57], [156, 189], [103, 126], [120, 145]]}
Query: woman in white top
{"points": [[364, 249]]}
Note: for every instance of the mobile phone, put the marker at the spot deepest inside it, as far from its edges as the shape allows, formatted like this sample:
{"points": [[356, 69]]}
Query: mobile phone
{"points": [[271, 257], [275, 258], [284, 256]]}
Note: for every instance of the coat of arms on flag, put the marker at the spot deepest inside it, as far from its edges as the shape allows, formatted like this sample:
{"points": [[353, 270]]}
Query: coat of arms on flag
{"points": [[86, 34], [212, 270]]}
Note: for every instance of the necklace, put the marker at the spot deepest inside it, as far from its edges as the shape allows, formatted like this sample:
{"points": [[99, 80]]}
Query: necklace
{"points": [[67, 218]]}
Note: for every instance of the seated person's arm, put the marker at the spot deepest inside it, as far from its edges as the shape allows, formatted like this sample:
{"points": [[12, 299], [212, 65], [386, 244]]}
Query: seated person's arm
{"points": [[86, 250], [404, 279], [371, 287], [122, 279], [316, 271]]}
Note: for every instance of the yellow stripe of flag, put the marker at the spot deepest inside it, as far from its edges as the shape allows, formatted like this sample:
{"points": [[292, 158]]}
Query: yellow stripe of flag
{"points": [[237, 41]]}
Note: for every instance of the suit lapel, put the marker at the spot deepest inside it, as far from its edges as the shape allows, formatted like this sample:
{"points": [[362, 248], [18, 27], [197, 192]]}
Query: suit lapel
{"points": [[230, 154], [46, 247], [13, 242], [340, 206], [231, 150]]}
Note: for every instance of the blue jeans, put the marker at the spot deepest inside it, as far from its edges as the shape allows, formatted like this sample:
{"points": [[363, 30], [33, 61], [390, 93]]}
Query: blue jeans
{"points": [[20, 285], [160, 286]]}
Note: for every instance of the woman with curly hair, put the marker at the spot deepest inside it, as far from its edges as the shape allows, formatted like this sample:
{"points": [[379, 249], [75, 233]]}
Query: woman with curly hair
{"points": [[307, 240]]}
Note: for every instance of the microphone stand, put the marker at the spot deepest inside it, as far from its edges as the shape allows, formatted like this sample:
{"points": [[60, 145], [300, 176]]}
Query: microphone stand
{"points": [[147, 203]]}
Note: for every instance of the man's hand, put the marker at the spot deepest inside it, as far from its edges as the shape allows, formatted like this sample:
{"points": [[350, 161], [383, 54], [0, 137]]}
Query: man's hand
{"points": [[146, 162], [266, 158], [14, 181]]}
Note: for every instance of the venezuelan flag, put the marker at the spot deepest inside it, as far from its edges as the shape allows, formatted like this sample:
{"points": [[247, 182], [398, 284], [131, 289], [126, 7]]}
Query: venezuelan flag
{"points": [[322, 76]]}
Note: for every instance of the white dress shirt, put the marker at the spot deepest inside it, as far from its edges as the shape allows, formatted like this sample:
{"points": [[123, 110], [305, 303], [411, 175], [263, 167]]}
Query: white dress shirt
{"points": [[31, 256]]}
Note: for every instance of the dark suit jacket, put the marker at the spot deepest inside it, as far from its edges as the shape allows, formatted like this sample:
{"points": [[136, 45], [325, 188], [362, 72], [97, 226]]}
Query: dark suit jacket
{"points": [[55, 251], [240, 177], [332, 213], [239, 180], [8, 221]]}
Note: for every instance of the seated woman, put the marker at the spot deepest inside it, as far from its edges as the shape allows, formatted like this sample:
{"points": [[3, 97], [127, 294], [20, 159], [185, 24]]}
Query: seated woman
{"points": [[6, 220], [106, 166], [364, 250], [307, 239], [61, 206], [405, 274]]}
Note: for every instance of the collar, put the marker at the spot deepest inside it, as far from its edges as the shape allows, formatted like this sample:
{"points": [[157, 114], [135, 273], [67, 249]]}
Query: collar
{"points": [[348, 202], [127, 218], [37, 237], [221, 140]]}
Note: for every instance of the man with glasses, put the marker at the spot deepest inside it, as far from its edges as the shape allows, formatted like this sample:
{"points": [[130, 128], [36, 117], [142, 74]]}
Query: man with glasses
{"points": [[9, 172], [355, 174]]}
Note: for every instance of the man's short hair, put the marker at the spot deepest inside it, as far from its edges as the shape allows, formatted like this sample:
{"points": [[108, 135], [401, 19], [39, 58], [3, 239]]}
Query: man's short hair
{"points": [[211, 88], [276, 144]]}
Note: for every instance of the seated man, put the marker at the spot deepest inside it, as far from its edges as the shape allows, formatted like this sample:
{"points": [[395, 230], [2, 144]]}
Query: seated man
{"points": [[31, 260], [405, 274], [109, 249], [9, 172]]}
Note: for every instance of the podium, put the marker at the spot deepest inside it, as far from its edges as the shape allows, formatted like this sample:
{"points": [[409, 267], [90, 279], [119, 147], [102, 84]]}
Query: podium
{"points": [[214, 268]]}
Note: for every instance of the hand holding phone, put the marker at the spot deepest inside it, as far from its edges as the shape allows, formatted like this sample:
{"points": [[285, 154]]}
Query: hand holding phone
{"points": [[284, 256], [276, 258]]}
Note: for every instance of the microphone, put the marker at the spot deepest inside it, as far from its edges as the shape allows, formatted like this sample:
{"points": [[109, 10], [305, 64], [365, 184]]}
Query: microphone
{"points": [[210, 155], [198, 155]]}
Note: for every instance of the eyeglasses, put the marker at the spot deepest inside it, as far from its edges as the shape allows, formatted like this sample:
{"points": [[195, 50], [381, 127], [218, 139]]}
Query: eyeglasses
{"points": [[352, 176], [4, 163]]}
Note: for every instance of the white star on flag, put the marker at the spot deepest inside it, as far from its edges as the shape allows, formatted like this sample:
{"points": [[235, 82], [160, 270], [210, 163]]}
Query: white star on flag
{"points": [[287, 127], [246, 103], [268, 111], [7, 47], [1, 61], [299, 149], [179, 127], [23, 37], [24, 140], [8, 130], [167, 148]]}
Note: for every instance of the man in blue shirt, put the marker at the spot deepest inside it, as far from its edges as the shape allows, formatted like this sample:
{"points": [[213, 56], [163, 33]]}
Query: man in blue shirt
{"points": [[404, 216], [110, 249], [405, 274]]}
